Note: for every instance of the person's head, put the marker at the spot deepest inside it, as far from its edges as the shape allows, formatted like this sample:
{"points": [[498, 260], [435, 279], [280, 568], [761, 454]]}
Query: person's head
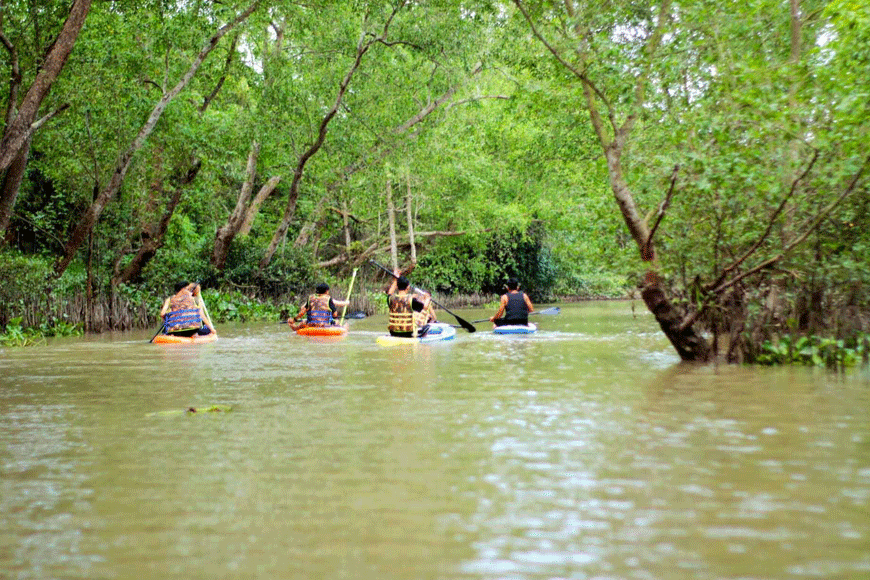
{"points": [[402, 283], [181, 286], [322, 288], [512, 284]]}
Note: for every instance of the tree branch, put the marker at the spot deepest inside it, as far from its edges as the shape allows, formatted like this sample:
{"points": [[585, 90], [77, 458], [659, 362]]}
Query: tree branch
{"points": [[820, 217], [662, 209], [734, 265]]}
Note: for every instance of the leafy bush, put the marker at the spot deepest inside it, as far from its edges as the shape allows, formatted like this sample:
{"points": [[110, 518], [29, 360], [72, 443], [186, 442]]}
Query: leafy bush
{"points": [[16, 335], [236, 307], [814, 350]]}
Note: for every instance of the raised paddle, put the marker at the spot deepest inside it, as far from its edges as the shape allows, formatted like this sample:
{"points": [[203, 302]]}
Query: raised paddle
{"points": [[464, 323], [205, 311], [349, 290], [554, 310]]}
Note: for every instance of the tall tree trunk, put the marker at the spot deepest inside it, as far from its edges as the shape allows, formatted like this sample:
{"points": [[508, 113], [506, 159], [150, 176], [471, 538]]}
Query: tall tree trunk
{"points": [[21, 129], [225, 234], [152, 238], [363, 46], [391, 216], [122, 165], [254, 208], [345, 220], [12, 179]]}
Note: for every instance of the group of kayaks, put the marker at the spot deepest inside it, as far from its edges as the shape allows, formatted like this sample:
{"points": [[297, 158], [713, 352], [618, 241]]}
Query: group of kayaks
{"points": [[438, 332]]}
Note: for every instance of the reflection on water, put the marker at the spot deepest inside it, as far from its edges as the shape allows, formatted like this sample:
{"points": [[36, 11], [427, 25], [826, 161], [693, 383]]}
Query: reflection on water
{"points": [[586, 450]]}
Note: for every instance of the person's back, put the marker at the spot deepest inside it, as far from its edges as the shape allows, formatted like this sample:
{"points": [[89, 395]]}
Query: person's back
{"points": [[515, 307], [181, 312], [319, 310], [516, 311], [408, 315]]}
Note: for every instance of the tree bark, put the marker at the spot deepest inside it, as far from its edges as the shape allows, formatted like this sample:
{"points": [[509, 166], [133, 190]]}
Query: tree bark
{"points": [[613, 137], [11, 186], [690, 345], [19, 132], [345, 220], [122, 165], [225, 234], [254, 208]]}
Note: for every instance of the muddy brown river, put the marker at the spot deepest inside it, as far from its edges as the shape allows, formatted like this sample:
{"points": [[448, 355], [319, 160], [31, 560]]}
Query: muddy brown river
{"points": [[585, 451]]}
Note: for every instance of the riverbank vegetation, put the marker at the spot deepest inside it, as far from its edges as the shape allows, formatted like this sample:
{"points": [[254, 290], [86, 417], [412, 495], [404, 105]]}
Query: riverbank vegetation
{"points": [[709, 157]]}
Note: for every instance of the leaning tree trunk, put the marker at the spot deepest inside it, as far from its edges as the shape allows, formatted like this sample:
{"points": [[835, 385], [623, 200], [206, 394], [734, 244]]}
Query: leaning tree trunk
{"points": [[225, 234], [613, 138], [11, 186], [254, 208], [21, 129]]}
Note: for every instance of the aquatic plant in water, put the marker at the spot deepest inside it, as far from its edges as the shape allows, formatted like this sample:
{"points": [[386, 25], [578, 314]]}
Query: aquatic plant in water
{"points": [[815, 350]]}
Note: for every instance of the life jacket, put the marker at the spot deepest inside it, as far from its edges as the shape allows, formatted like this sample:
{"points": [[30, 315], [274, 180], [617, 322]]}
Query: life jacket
{"points": [[183, 312], [516, 308], [402, 315], [318, 313]]}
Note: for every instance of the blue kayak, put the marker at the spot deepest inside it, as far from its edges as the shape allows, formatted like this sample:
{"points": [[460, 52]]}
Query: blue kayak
{"points": [[516, 329]]}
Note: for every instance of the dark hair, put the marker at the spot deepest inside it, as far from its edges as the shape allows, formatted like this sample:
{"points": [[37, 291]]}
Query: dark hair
{"points": [[181, 286], [402, 283], [512, 284], [322, 288]]}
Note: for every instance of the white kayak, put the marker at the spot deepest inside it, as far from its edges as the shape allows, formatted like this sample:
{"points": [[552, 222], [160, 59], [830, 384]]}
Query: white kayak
{"points": [[516, 329], [438, 332]]}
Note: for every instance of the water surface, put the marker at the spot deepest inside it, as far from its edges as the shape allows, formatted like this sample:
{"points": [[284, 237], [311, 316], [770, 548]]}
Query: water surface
{"points": [[584, 451]]}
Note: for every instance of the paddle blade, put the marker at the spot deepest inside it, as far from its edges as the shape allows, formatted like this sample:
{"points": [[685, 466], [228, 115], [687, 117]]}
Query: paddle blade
{"points": [[554, 310], [465, 324]]}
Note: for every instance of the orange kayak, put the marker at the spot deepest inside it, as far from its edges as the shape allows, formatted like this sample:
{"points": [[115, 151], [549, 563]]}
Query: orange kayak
{"points": [[322, 331], [172, 339]]}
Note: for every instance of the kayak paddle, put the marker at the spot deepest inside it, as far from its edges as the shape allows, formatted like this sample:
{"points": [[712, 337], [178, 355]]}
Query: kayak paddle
{"points": [[349, 290], [159, 330], [554, 310]]}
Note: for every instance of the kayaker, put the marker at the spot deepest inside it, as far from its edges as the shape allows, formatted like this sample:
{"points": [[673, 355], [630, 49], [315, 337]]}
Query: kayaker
{"points": [[183, 314], [320, 309], [409, 315], [515, 305]]}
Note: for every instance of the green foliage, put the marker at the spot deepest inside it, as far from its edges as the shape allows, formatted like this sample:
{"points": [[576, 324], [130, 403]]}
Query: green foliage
{"points": [[236, 307], [15, 335], [814, 351]]}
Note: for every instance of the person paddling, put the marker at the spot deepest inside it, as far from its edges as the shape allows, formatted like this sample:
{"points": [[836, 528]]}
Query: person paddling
{"points": [[319, 310], [515, 305], [409, 316], [183, 313]]}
